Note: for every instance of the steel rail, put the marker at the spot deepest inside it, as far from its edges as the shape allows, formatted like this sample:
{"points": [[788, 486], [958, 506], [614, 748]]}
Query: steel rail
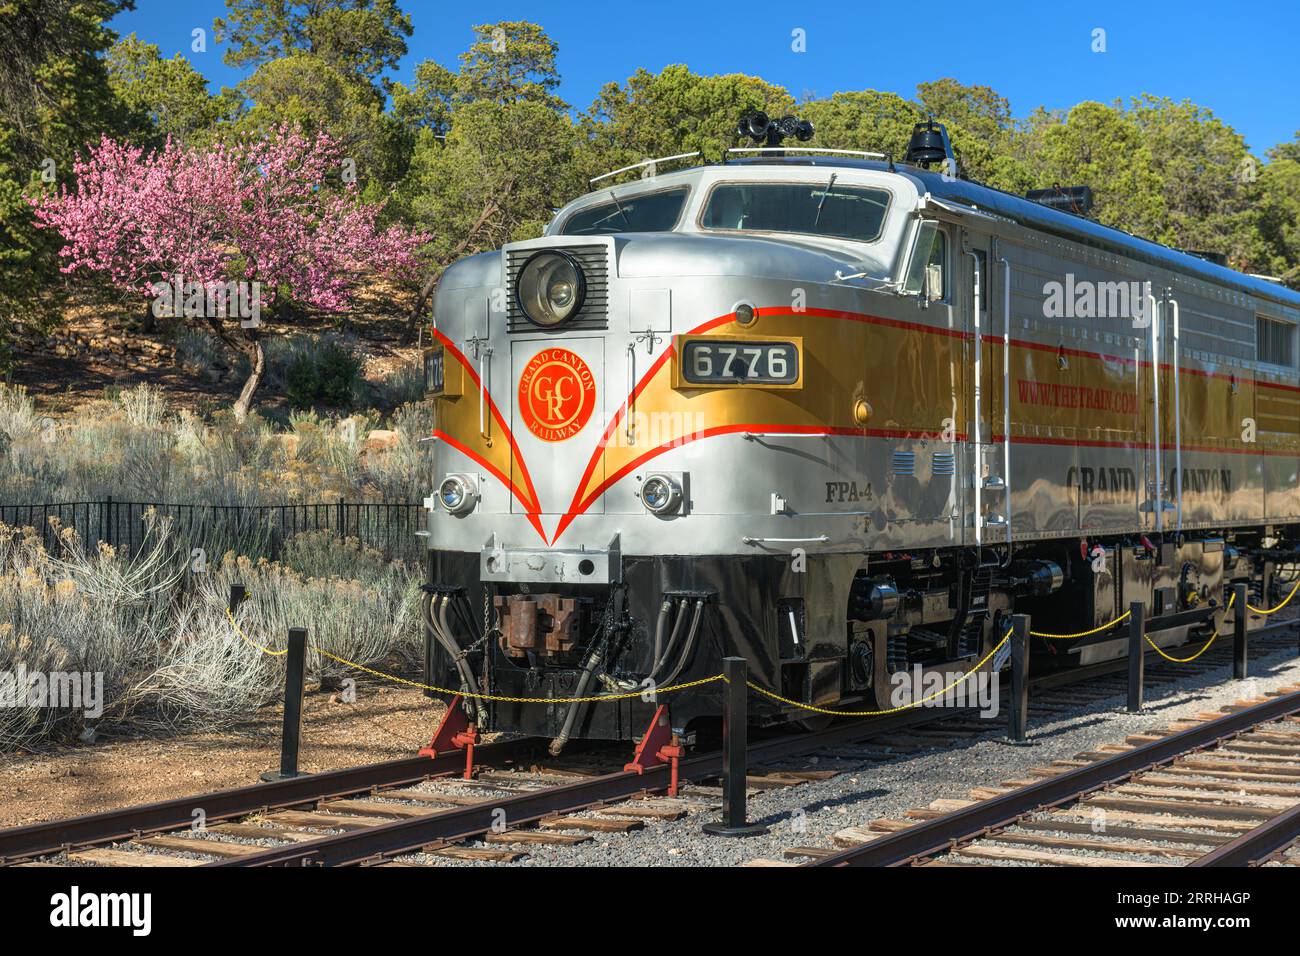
{"points": [[1256, 846], [112, 825], [943, 833], [378, 843], [386, 840], [20, 843]]}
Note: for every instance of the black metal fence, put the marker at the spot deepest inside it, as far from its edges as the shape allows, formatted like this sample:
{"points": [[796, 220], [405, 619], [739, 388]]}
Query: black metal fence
{"points": [[256, 530]]}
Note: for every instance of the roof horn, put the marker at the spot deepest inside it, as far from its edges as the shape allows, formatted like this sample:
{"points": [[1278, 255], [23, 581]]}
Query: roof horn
{"points": [[757, 126]]}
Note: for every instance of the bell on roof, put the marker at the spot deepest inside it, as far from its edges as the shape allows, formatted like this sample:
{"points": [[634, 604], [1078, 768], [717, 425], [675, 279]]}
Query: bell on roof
{"points": [[929, 144]]}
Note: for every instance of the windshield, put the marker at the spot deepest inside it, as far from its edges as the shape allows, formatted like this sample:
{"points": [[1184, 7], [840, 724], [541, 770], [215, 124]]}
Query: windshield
{"points": [[647, 212], [820, 209]]}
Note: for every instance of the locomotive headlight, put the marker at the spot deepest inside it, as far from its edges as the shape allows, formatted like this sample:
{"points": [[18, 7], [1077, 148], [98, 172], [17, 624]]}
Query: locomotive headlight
{"points": [[661, 494], [551, 288], [457, 494]]}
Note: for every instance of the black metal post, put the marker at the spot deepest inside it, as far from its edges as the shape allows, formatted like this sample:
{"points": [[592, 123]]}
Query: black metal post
{"points": [[1240, 614], [293, 678], [1137, 655], [1018, 719], [237, 594], [734, 744]]}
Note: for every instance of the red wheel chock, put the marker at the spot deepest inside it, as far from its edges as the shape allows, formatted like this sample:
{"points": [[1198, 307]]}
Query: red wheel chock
{"points": [[657, 747], [454, 733]]}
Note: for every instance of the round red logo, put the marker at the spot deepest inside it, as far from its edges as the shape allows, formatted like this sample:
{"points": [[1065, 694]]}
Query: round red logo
{"points": [[557, 394]]}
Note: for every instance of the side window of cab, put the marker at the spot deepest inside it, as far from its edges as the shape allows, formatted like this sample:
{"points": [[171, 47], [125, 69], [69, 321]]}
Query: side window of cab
{"points": [[928, 268]]}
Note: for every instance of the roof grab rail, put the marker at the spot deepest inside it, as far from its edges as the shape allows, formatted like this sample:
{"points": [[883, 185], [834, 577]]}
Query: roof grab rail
{"points": [[643, 163]]}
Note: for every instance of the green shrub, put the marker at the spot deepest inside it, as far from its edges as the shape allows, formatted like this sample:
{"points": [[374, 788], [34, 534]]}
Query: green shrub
{"points": [[301, 382], [339, 373], [328, 376]]}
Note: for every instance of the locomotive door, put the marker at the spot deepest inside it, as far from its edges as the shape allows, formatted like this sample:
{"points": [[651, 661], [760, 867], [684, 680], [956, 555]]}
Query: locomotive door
{"points": [[985, 427]]}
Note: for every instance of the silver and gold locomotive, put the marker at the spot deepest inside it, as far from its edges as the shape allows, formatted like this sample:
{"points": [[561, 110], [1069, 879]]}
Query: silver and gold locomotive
{"points": [[839, 416]]}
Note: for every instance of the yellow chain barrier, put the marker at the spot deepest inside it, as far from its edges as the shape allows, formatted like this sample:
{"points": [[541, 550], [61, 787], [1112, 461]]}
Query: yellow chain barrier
{"points": [[1183, 660], [1232, 599], [1096, 630], [524, 700], [505, 700], [605, 697], [892, 710], [752, 686], [264, 650], [1284, 603]]}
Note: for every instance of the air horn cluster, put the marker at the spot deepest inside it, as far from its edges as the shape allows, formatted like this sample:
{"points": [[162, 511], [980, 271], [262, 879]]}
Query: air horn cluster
{"points": [[757, 126]]}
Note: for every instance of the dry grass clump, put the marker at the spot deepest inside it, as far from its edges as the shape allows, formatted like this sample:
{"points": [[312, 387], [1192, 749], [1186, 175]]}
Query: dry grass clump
{"points": [[86, 612], [135, 448], [151, 624], [156, 631]]}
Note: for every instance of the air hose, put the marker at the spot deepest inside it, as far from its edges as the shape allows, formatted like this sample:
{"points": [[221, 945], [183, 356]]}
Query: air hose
{"points": [[690, 642], [661, 626], [588, 669], [437, 621], [678, 621]]}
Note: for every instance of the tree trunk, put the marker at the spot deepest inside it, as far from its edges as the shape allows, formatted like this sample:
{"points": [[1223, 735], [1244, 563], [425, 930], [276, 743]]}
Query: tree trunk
{"points": [[257, 360], [417, 311], [431, 281]]}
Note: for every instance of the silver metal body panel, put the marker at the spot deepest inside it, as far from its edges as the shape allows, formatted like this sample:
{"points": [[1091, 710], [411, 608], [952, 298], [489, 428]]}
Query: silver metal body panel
{"points": [[1066, 480]]}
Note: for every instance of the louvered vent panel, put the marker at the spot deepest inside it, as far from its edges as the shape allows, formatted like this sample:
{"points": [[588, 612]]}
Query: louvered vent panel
{"points": [[594, 261], [904, 463]]}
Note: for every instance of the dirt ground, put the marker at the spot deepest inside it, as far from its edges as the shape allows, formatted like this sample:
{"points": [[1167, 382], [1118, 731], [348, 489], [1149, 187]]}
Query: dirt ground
{"points": [[384, 724], [62, 381]]}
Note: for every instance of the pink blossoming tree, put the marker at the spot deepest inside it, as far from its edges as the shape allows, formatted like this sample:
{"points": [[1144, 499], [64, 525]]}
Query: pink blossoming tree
{"points": [[266, 211]]}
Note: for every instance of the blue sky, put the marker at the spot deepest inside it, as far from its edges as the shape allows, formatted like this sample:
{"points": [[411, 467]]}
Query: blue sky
{"points": [[1230, 59]]}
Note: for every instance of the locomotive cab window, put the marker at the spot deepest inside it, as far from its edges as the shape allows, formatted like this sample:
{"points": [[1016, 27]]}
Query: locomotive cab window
{"points": [[646, 212], [1275, 342], [833, 209], [928, 268]]}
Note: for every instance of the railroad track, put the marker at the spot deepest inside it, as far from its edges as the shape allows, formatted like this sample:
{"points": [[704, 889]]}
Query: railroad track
{"points": [[26, 843], [1221, 789], [416, 810], [376, 813]]}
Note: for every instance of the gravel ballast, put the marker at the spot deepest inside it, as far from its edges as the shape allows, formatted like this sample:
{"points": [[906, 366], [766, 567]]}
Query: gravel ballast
{"points": [[808, 815]]}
